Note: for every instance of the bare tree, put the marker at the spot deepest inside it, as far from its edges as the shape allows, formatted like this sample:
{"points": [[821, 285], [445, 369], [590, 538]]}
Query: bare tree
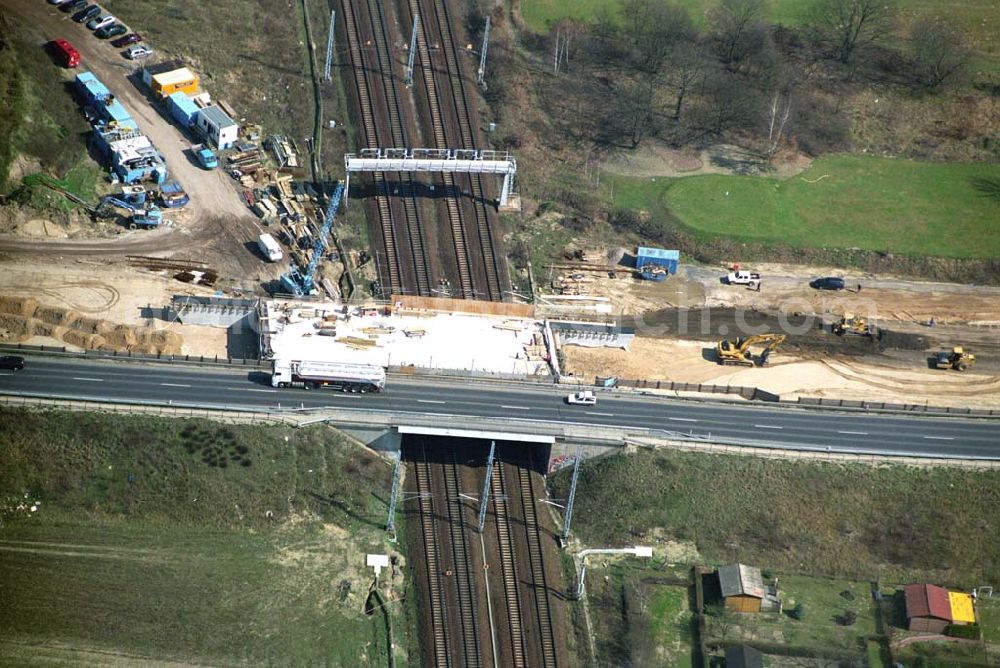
{"points": [[652, 30], [849, 24], [734, 23], [687, 68], [939, 52], [777, 114]]}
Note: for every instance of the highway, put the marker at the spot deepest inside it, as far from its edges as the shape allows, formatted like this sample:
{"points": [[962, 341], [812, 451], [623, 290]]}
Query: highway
{"points": [[784, 427]]}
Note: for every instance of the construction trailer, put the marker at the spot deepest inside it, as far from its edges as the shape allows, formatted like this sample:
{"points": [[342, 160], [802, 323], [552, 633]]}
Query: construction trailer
{"points": [[103, 103], [216, 125], [182, 108], [655, 263], [165, 79]]}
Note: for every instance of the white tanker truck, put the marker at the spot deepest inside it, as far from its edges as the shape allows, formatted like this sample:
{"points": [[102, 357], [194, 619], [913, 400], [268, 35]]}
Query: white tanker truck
{"points": [[341, 376]]}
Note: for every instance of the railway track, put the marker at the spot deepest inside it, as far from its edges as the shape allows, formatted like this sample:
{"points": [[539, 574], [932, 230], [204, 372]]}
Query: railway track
{"points": [[376, 136], [538, 578], [439, 8], [435, 589], [462, 568], [455, 217], [508, 569]]}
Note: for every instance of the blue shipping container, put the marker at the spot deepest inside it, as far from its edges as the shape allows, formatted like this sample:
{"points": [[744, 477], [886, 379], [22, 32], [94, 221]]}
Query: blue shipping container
{"points": [[182, 108], [661, 257]]}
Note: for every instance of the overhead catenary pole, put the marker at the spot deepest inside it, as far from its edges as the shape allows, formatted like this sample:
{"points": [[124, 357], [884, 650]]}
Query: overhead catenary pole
{"points": [[482, 54], [572, 494], [484, 498], [329, 46], [413, 51], [390, 526]]}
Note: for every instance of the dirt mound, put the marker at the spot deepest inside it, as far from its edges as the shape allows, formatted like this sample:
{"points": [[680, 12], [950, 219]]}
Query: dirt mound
{"points": [[14, 328], [23, 306], [56, 315]]}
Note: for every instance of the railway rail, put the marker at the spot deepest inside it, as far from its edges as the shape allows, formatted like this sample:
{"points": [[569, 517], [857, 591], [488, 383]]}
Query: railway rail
{"points": [[508, 568], [462, 568], [538, 578], [435, 589]]}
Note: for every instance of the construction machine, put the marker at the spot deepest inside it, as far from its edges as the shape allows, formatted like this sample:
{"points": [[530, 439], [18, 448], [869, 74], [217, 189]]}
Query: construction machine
{"points": [[146, 217], [851, 324], [739, 351], [956, 359]]}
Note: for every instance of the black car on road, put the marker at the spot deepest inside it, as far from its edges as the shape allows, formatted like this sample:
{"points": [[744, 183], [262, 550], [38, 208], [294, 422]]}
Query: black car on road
{"points": [[11, 362], [827, 283]]}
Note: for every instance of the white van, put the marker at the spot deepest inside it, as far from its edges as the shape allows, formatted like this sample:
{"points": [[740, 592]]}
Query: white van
{"points": [[269, 247]]}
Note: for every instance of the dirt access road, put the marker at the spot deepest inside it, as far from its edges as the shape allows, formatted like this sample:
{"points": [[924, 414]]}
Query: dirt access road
{"points": [[217, 214]]}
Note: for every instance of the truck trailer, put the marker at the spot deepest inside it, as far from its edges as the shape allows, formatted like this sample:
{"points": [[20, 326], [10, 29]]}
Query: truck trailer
{"points": [[311, 375]]}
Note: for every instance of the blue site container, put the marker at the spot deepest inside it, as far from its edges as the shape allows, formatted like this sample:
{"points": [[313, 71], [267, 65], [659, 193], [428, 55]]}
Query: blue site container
{"points": [[660, 257], [182, 108]]}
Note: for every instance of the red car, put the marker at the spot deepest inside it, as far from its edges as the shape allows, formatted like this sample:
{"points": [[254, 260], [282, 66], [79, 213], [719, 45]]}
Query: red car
{"points": [[126, 40], [67, 55]]}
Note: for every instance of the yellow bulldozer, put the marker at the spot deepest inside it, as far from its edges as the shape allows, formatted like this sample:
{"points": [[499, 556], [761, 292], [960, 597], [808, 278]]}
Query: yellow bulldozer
{"points": [[739, 351], [851, 324], [956, 359]]}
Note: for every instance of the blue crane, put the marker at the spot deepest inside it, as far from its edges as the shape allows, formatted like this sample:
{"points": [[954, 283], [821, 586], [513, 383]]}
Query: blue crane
{"points": [[302, 282]]}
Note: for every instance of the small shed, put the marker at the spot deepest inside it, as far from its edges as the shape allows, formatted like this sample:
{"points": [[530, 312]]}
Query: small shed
{"points": [[743, 656], [928, 608], [963, 610], [743, 590], [659, 257], [217, 126], [182, 108], [164, 84]]}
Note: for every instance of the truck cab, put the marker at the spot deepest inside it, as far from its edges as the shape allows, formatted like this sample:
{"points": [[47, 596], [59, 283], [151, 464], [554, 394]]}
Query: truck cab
{"points": [[205, 156]]}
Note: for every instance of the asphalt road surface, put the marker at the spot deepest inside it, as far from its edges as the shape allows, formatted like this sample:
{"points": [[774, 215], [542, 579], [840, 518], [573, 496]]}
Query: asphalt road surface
{"points": [[777, 426]]}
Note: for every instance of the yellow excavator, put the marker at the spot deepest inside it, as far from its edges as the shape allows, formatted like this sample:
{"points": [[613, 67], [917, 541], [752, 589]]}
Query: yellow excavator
{"points": [[738, 351], [957, 359], [851, 324]]}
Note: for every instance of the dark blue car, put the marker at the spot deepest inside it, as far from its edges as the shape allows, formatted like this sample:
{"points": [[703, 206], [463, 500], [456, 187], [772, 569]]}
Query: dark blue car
{"points": [[827, 283]]}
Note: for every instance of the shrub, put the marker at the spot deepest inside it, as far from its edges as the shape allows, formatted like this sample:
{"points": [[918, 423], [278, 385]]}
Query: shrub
{"points": [[969, 631], [798, 612]]}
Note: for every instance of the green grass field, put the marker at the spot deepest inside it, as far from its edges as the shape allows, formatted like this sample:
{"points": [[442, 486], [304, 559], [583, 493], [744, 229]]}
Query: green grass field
{"points": [[851, 521], [187, 541], [842, 201]]}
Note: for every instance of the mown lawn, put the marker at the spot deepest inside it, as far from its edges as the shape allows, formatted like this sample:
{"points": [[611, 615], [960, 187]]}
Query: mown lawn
{"points": [[842, 201], [188, 541], [850, 521]]}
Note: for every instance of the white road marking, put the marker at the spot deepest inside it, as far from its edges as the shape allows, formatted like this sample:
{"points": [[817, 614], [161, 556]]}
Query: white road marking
{"points": [[92, 380], [516, 408], [603, 414], [253, 390], [174, 385], [940, 438], [854, 433], [430, 401], [767, 426], [682, 419]]}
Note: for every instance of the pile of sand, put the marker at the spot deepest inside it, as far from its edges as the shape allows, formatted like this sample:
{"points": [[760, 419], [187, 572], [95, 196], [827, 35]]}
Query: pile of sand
{"points": [[22, 317]]}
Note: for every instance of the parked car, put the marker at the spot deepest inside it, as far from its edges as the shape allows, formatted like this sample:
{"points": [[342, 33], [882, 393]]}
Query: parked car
{"points": [[110, 31], [64, 51], [100, 22], [827, 283], [57, 2], [72, 5], [138, 51], [86, 13], [131, 38], [13, 362]]}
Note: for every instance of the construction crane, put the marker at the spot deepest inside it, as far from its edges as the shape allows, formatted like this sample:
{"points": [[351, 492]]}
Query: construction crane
{"points": [[851, 324], [956, 359], [301, 282], [738, 351]]}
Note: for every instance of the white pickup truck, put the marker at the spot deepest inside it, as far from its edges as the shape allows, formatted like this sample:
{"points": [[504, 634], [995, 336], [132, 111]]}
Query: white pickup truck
{"points": [[742, 277], [585, 398]]}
